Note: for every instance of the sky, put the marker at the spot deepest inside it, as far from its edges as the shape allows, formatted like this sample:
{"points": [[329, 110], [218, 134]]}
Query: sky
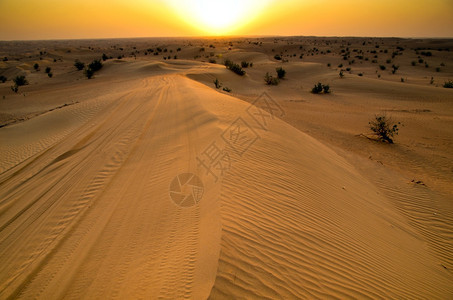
{"points": [[78, 19]]}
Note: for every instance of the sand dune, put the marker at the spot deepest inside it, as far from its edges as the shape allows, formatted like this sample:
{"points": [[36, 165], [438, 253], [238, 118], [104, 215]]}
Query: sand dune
{"points": [[90, 205]]}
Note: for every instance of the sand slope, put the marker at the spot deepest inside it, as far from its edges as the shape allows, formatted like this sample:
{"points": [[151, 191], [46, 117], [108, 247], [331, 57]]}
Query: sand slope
{"points": [[88, 215]]}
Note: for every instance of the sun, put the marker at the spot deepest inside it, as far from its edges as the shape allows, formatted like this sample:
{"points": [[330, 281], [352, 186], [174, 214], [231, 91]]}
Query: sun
{"points": [[218, 17]]}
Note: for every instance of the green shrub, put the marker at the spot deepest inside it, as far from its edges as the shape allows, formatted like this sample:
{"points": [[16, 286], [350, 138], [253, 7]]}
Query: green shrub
{"points": [[448, 84], [280, 73], [384, 128]]}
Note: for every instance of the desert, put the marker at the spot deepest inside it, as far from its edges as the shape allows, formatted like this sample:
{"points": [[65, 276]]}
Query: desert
{"points": [[180, 170]]}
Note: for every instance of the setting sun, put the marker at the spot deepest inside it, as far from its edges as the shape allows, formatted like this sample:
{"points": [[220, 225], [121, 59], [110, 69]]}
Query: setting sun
{"points": [[218, 17]]}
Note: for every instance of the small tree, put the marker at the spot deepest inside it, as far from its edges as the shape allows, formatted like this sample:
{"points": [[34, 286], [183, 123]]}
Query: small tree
{"points": [[384, 128], [281, 73], [79, 65]]}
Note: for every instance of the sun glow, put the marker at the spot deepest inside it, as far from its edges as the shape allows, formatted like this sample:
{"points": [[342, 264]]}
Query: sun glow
{"points": [[219, 17]]}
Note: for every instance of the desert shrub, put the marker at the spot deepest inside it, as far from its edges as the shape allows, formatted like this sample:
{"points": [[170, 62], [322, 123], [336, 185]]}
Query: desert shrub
{"points": [[382, 67], [320, 88], [36, 67], [277, 57], [413, 63], [384, 128], [104, 57], [341, 74], [360, 74], [217, 83], [402, 79], [48, 69], [234, 67], [95, 65], [50, 74], [348, 69], [438, 69], [448, 84], [428, 53], [212, 61], [15, 88], [5, 58], [395, 68], [20, 80], [89, 73], [420, 60], [328, 65], [227, 89], [270, 80], [79, 65], [388, 61], [3, 78], [245, 64], [280, 73], [340, 65]]}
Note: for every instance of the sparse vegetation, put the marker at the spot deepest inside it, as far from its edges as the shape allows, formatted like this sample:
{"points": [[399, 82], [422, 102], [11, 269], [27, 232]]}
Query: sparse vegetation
{"points": [[227, 89], [280, 73], [93, 67], [384, 128], [320, 88], [234, 67], [448, 84], [79, 65], [270, 80], [245, 64], [19, 80], [217, 84]]}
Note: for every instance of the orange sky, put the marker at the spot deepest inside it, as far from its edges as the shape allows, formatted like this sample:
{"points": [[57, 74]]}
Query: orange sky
{"points": [[65, 19]]}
